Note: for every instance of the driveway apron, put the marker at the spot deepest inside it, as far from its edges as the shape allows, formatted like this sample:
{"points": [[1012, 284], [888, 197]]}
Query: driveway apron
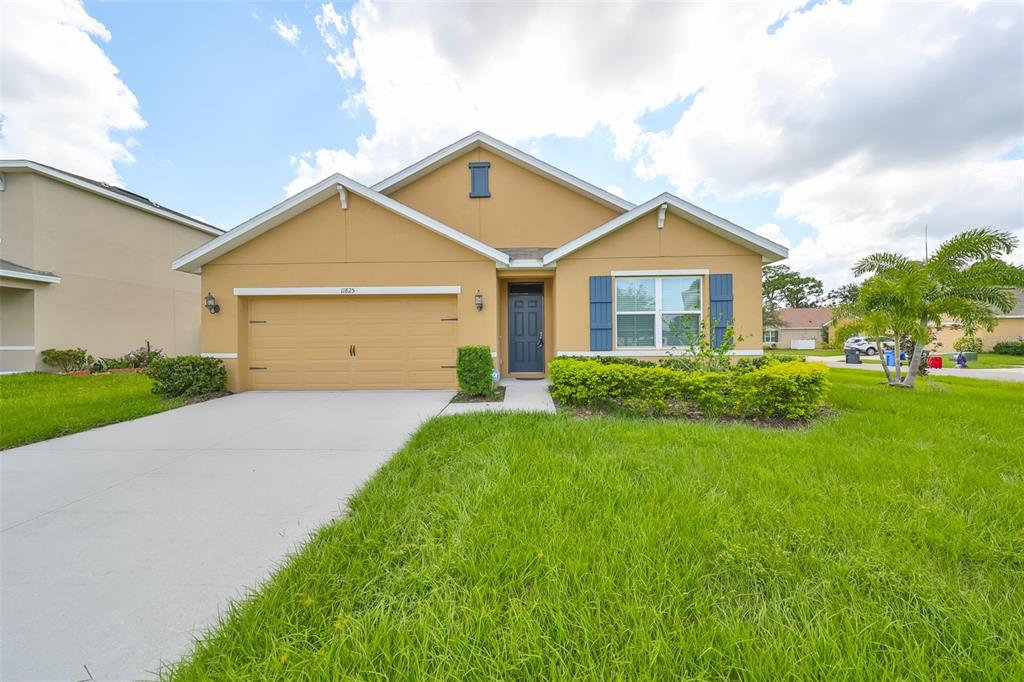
{"points": [[120, 545]]}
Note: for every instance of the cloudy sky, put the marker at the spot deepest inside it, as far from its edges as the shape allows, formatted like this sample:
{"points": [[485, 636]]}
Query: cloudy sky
{"points": [[836, 128]]}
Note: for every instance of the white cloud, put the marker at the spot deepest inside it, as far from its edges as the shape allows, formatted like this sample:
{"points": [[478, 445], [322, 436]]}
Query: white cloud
{"points": [[775, 233], [614, 189], [55, 78], [867, 119], [333, 28], [290, 33]]}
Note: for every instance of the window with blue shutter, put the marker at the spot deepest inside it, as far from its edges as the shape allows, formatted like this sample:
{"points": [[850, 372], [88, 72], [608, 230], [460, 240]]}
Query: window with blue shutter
{"points": [[600, 313], [479, 180], [721, 307]]}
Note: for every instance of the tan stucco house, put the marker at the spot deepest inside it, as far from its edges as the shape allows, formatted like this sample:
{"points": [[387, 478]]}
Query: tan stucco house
{"points": [[799, 328], [84, 264], [348, 286], [1009, 327]]}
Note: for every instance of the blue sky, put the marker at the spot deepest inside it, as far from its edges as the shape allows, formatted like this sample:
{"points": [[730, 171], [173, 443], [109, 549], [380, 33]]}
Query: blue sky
{"points": [[828, 126]]}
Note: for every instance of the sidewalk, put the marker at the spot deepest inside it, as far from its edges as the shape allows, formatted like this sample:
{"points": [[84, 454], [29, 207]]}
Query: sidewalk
{"points": [[521, 395], [1005, 374]]}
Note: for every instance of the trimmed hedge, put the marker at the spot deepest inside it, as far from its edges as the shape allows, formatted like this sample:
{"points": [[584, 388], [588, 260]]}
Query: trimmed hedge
{"points": [[778, 390], [1009, 348], [188, 376], [474, 367], [611, 360]]}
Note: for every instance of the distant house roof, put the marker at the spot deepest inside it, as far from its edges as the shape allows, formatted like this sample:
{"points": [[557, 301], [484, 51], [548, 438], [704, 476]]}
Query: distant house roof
{"points": [[15, 271], [109, 191], [1018, 310], [805, 318]]}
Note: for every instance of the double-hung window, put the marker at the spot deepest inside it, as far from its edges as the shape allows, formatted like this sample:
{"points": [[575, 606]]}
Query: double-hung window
{"points": [[771, 336], [657, 312]]}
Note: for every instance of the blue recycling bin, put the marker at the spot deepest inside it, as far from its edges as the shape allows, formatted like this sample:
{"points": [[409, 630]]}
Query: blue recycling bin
{"points": [[890, 358]]}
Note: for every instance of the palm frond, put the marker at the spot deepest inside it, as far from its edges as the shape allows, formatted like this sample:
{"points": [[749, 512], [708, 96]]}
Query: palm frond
{"points": [[881, 262]]}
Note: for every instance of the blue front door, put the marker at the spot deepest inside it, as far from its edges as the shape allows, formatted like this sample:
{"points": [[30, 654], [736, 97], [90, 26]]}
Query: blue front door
{"points": [[526, 332]]}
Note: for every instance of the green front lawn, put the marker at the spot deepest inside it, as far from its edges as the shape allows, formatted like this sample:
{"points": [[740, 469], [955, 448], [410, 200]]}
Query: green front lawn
{"points": [[874, 544], [39, 406]]}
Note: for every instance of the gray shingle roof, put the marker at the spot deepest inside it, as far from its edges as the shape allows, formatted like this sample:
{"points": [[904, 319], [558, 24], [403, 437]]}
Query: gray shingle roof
{"points": [[14, 267]]}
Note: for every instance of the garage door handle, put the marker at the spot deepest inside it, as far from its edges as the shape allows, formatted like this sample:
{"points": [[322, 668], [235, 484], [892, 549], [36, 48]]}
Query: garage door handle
{"points": [[257, 368], [352, 350]]}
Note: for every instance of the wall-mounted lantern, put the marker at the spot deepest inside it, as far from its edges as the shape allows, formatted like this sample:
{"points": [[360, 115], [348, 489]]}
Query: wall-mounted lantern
{"points": [[211, 304], [479, 300]]}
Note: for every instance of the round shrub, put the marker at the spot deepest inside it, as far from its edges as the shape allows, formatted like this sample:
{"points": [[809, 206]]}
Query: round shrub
{"points": [[188, 376], [968, 344], [67, 359]]}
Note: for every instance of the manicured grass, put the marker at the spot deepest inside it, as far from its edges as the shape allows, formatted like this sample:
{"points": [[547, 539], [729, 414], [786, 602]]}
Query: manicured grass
{"points": [[39, 406], [816, 351], [883, 542], [984, 361]]}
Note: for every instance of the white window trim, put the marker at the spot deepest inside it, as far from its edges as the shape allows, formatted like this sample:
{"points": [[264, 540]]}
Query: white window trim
{"points": [[764, 340], [221, 356], [647, 353], [346, 291], [17, 347], [661, 273], [658, 311]]}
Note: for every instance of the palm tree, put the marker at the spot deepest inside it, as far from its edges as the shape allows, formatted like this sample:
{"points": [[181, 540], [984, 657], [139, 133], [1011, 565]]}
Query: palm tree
{"points": [[965, 280]]}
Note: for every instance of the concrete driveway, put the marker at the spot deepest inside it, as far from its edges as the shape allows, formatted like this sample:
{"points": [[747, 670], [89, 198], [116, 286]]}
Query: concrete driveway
{"points": [[119, 545]]}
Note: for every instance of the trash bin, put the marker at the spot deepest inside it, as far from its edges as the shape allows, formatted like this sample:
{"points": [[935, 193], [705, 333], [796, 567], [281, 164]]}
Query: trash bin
{"points": [[935, 362], [890, 358], [852, 357]]}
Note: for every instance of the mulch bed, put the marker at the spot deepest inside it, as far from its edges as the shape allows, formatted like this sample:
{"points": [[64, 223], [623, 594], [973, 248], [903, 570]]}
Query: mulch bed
{"points": [[499, 396]]}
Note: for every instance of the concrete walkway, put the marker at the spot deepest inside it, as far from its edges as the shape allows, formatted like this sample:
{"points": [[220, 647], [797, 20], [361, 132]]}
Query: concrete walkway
{"points": [[1007, 374], [521, 395], [120, 544]]}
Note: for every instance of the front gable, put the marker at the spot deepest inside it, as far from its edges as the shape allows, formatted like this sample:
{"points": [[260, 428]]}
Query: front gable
{"points": [[530, 204], [361, 233]]}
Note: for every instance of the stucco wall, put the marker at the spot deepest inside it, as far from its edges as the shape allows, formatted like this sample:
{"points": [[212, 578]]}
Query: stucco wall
{"points": [[642, 246], [117, 287], [364, 245], [786, 335], [1008, 329], [524, 210]]}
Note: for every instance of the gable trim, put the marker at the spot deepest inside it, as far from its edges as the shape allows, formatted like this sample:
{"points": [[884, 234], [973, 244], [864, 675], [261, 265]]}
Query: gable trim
{"points": [[479, 139], [194, 260], [769, 250], [96, 187], [348, 291]]}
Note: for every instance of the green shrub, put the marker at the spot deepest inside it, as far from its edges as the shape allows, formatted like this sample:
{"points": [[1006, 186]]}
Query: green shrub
{"points": [[750, 364], [188, 376], [474, 368], [610, 360], [141, 357], [1009, 348], [67, 359], [781, 390], [786, 390], [968, 344]]}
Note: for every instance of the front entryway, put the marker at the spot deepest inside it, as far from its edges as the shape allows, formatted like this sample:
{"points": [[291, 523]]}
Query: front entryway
{"points": [[525, 327]]}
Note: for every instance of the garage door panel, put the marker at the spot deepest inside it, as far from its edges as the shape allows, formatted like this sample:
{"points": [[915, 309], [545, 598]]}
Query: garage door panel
{"points": [[401, 342]]}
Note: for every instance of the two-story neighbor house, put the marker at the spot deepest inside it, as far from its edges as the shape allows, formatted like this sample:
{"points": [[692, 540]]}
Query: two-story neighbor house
{"points": [[348, 286], [84, 264]]}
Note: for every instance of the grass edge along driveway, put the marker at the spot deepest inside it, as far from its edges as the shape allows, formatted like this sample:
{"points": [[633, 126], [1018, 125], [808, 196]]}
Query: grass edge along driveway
{"points": [[38, 406], [522, 546]]}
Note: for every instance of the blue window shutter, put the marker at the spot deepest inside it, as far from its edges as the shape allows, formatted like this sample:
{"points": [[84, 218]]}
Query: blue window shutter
{"points": [[721, 307], [479, 179], [600, 313]]}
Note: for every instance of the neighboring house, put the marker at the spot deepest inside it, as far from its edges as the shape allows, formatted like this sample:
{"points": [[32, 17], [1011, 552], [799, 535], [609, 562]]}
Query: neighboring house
{"points": [[798, 324], [1009, 327], [348, 286], [85, 264]]}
